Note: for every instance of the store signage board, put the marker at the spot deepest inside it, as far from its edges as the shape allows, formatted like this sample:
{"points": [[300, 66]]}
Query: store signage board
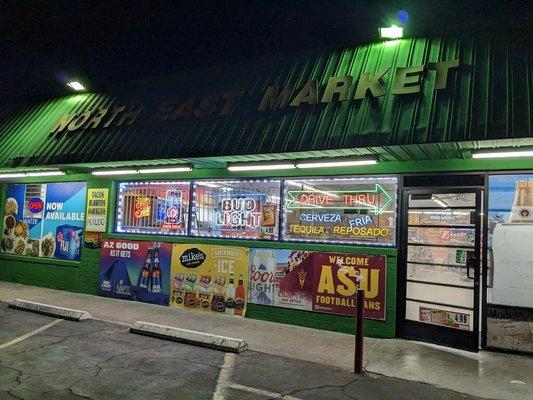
{"points": [[405, 81], [96, 214]]}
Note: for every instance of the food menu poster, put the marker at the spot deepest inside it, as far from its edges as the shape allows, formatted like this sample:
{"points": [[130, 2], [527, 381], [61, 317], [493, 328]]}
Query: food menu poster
{"points": [[44, 220], [316, 281], [210, 278], [135, 270]]}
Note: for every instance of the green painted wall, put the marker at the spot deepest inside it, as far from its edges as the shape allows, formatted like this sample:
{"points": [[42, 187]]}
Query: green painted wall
{"points": [[83, 276]]}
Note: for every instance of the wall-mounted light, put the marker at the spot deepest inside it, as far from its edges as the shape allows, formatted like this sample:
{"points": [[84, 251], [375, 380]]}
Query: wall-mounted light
{"points": [[182, 168], [336, 162], [503, 153], [105, 172], [75, 85], [392, 32], [12, 175], [261, 166], [46, 173], [9, 175]]}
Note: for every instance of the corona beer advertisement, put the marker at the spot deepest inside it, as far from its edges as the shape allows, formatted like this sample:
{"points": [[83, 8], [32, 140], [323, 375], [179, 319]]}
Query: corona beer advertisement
{"points": [[135, 270], [314, 281], [210, 278]]}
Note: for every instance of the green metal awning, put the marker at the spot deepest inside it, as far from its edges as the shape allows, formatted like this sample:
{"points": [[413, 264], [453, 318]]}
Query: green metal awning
{"points": [[183, 118]]}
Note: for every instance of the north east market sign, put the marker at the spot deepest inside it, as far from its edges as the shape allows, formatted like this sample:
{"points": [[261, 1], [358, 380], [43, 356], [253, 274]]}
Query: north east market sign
{"points": [[405, 80]]}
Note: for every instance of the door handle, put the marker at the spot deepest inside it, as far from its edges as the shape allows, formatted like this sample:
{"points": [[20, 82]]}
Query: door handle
{"points": [[471, 263]]}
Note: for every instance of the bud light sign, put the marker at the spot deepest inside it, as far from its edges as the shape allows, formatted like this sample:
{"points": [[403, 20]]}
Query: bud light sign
{"points": [[35, 205]]}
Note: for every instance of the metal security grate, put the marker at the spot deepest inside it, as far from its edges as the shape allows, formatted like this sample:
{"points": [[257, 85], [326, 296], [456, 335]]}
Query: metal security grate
{"points": [[153, 207]]}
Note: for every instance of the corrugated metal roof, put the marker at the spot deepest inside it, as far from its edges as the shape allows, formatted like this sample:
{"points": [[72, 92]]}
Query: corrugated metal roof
{"points": [[487, 98]]}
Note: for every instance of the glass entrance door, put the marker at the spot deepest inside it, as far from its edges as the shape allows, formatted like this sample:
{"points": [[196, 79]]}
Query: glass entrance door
{"points": [[440, 267]]}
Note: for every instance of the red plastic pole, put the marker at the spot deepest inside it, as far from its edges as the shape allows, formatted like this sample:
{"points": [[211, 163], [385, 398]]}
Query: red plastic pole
{"points": [[358, 359]]}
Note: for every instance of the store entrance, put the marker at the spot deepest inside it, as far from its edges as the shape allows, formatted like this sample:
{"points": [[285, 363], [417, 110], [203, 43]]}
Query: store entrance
{"points": [[439, 266]]}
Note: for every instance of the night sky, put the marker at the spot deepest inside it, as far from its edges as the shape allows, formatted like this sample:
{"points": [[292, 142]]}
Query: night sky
{"points": [[104, 43]]}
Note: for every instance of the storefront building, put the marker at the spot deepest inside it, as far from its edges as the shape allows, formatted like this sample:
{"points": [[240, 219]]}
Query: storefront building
{"points": [[266, 189]]}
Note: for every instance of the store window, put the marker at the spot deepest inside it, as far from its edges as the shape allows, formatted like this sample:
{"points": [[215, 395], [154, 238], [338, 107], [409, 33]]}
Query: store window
{"points": [[239, 209], [341, 210], [44, 220], [153, 207], [510, 255]]}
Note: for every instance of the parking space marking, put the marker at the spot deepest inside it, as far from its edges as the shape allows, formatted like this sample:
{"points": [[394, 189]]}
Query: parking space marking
{"points": [[262, 392], [223, 378], [30, 334]]}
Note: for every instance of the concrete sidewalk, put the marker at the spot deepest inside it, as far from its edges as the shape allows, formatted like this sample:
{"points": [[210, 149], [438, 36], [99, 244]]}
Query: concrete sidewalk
{"points": [[486, 374]]}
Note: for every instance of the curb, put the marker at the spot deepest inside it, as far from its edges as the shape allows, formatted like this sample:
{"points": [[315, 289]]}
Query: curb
{"points": [[52, 311], [202, 339]]}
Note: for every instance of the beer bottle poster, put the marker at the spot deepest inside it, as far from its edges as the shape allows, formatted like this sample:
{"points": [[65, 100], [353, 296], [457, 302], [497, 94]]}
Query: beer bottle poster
{"points": [[210, 278], [135, 270]]}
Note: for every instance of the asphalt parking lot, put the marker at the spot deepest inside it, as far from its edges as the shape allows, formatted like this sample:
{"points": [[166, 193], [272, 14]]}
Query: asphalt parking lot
{"points": [[47, 358]]}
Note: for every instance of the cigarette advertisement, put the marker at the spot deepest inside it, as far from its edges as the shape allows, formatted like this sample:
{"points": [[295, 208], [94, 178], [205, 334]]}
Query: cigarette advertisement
{"points": [[44, 220], [135, 270], [314, 281], [210, 278]]}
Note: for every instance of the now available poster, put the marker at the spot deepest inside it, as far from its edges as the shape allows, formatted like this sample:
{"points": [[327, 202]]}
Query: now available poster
{"points": [[314, 281], [135, 270], [44, 220], [210, 278]]}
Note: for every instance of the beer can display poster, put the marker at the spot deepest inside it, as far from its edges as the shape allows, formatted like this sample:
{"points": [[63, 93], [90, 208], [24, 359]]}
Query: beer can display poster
{"points": [[135, 270], [315, 281], [210, 278], [44, 220]]}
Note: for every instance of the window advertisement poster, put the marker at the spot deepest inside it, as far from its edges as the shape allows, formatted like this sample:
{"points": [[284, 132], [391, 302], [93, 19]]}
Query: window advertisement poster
{"points": [[341, 210], [510, 328], [210, 278], [44, 220], [96, 214], [160, 208], [240, 209], [316, 281], [135, 270], [510, 261]]}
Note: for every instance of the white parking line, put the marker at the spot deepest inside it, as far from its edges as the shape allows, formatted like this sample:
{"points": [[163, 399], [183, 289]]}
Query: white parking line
{"points": [[261, 392], [30, 334], [223, 378]]}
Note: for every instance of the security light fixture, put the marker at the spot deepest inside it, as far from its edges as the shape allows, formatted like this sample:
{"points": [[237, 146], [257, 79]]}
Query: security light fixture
{"points": [[75, 85], [336, 162], [264, 166], [393, 32], [503, 153]]}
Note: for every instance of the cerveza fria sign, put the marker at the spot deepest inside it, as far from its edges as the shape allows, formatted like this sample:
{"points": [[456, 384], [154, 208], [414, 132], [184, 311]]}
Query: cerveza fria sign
{"points": [[405, 80]]}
